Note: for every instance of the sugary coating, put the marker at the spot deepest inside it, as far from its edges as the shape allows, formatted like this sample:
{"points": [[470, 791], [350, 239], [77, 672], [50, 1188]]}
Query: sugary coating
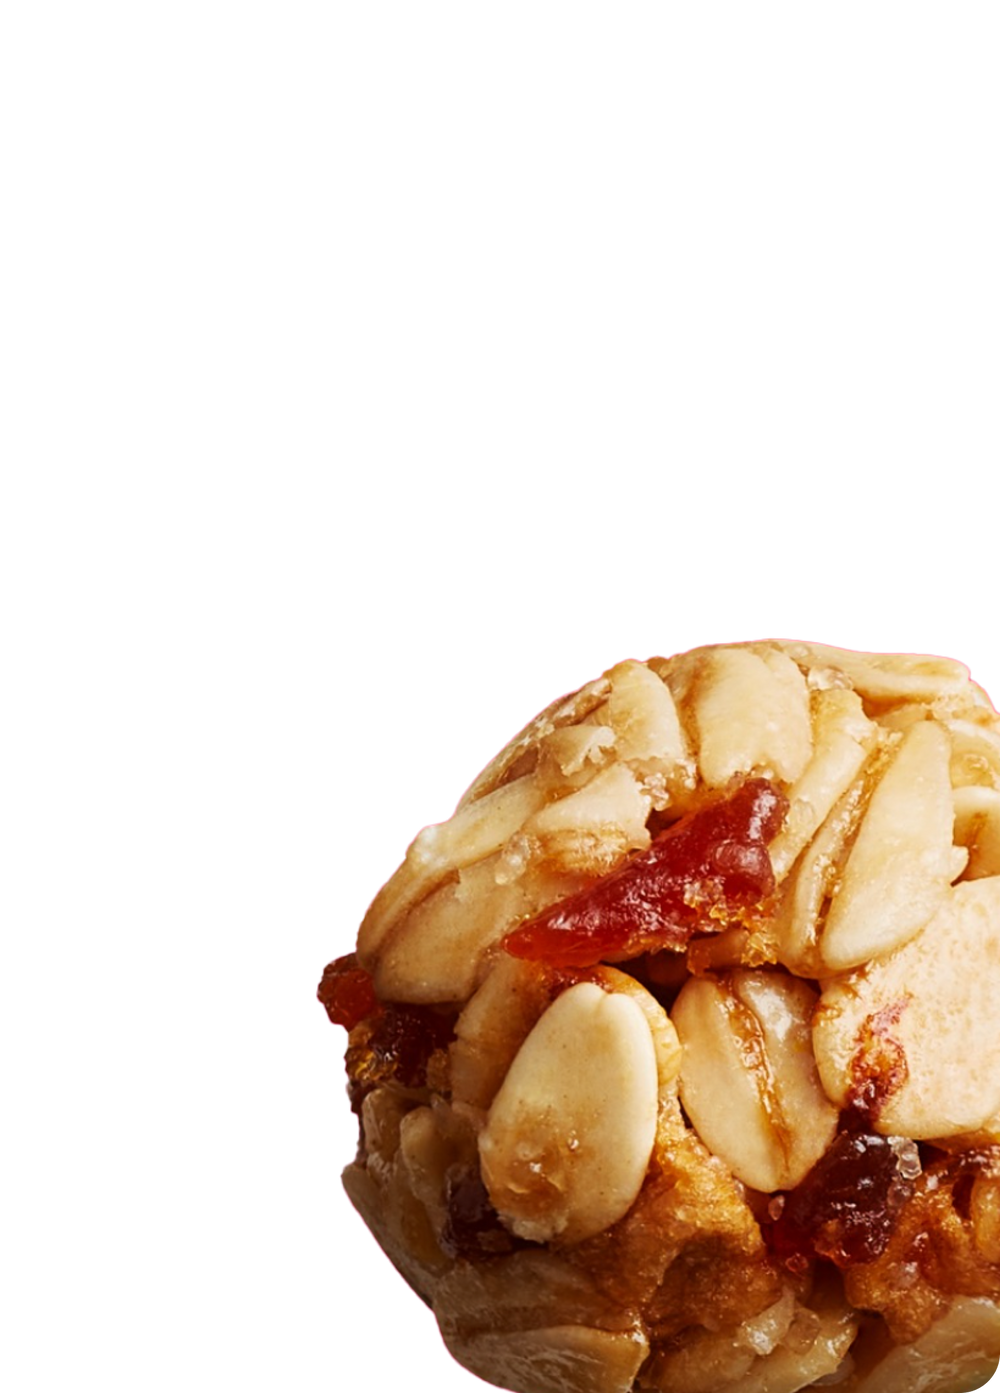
{"points": [[674, 1050]]}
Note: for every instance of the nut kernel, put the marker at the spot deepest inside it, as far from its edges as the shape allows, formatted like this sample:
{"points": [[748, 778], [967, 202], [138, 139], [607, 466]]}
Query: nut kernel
{"points": [[571, 1130]]}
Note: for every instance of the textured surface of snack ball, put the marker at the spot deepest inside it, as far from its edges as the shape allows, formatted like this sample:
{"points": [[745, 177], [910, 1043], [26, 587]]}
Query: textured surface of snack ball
{"points": [[674, 1051]]}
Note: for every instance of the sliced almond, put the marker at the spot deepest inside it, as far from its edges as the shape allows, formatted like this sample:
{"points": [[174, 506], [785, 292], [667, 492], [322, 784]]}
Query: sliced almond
{"points": [[977, 828], [886, 677], [440, 851], [579, 751], [975, 755], [843, 736], [918, 1026], [796, 924], [569, 1134], [590, 830], [492, 1028], [666, 1045], [960, 1351], [436, 952], [901, 863], [750, 712], [643, 716], [553, 1359], [566, 711], [814, 1350]]}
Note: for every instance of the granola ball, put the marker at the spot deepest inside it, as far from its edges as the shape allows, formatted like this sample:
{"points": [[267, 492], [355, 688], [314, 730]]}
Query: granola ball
{"points": [[674, 1051]]}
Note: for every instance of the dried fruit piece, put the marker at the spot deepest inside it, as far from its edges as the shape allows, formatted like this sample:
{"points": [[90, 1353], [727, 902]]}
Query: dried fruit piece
{"points": [[936, 1248], [394, 1044], [844, 1208], [347, 991], [706, 872]]}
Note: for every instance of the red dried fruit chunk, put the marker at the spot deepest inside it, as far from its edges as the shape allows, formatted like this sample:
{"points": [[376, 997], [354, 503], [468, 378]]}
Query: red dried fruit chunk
{"points": [[845, 1208], [389, 1042], [708, 871], [346, 991], [402, 1040]]}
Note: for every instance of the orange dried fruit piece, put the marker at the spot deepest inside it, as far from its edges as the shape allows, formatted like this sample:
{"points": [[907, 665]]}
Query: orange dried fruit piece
{"points": [[708, 871]]}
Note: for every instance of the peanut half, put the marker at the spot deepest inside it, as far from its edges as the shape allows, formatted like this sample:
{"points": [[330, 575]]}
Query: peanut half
{"points": [[748, 1079], [570, 1132]]}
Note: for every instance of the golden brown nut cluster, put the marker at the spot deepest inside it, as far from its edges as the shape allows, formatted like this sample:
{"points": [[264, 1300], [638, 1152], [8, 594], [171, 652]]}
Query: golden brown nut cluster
{"points": [[675, 1051]]}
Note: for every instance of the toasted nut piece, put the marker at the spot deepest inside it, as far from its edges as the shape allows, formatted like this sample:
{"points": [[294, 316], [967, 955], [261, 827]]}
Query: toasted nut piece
{"points": [[751, 712], [900, 866], [975, 755], [984, 1211], [843, 736], [918, 1027], [590, 830], [534, 1323], [748, 1079], [716, 1360], [493, 1027], [424, 1155], [643, 716], [977, 827], [439, 952], [960, 1351], [579, 750], [522, 1290], [806, 892], [570, 1132], [813, 1350], [438, 852], [523, 749], [885, 677], [549, 1359], [800, 1347], [382, 1113], [666, 1045]]}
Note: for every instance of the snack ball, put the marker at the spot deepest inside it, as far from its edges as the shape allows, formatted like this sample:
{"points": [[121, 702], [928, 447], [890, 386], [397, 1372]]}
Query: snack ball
{"points": [[675, 1050]]}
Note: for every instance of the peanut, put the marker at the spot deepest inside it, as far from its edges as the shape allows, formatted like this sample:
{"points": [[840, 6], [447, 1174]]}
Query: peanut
{"points": [[570, 1132]]}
